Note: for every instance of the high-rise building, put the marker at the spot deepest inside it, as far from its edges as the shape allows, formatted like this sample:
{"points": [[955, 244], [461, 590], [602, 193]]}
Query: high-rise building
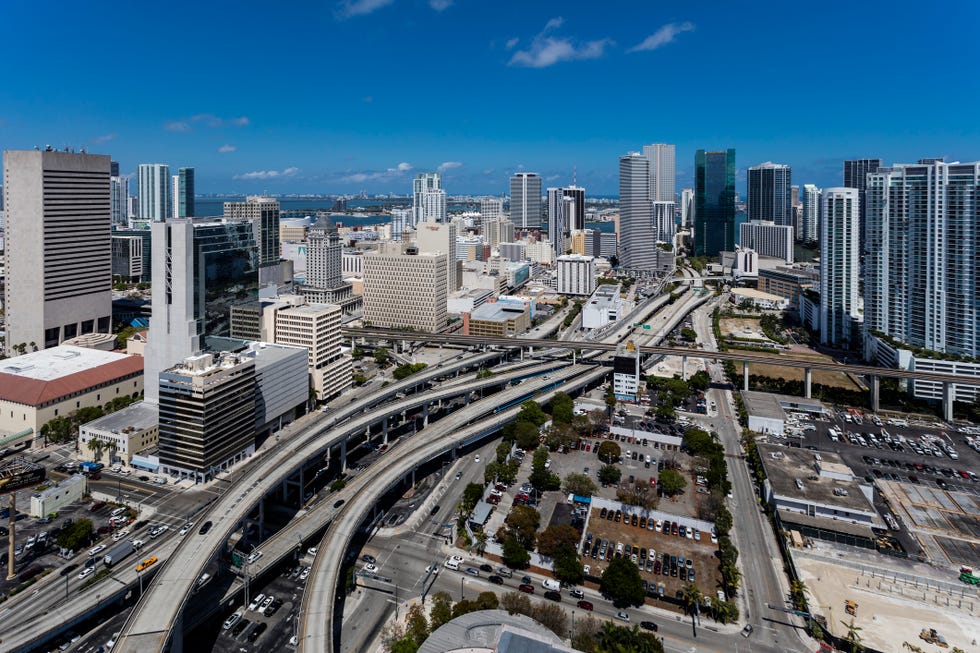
{"points": [[811, 213], [687, 208], [767, 239], [496, 231], [661, 158], [525, 200], [58, 252], [317, 328], [491, 208], [922, 265], [119, 201], [440, 238], [113, 169], [184, 195], [428, 198], [839, 266], [405, 290], [576, 275], [856, 176], [127, 258], [401, 220], [770, 196], [201, 268], [156, 203], [664, 221], [263, 213], [637, 240], [714, 202], [323, 255], [566, 213]]}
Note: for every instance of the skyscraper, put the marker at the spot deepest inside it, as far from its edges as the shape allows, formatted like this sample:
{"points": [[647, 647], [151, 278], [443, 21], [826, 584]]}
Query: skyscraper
{"points": [[491, 208], [811, 213], [767, 239], [119, 201], [922, 265], [201, 268], [566, 213], [525, 200], [839, 266], [405, 290], [428, 198], [184, 199], [637, 240], [714, 202], [154, 192], [770, 193], [661, 158], [856, 176], [440, 238], [58, 253], [323, 255], [687, 208], [263, 213]]}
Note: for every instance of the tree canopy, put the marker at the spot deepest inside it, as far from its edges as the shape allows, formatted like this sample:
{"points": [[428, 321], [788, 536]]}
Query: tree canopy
{"points": [[609, 452], [622, 583], [578, 484], [672, 481]]}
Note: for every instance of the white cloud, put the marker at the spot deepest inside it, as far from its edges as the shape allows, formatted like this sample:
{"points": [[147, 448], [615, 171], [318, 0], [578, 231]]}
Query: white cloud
{"points": [[177, 126], [403, 167], [267, 174], [548, 50], [241, 121], [351, 8], [663, 36], [449, 165], [224, 149], [206, 119], [511, 43], [370, 175], [105, 138], [440, 5]]}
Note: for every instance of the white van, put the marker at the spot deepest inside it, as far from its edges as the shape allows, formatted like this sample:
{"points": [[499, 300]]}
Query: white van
{"points": [[551, 584], [451, 564], [232, 620]]}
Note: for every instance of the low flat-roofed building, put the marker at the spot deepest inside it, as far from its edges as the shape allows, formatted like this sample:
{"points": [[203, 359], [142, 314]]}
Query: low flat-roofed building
{"points": [[39, 386], [123, 433], [788, 283], [467, 300], [55, 497], [822, 490], [767, 411], [499, 319], [604, 306], [489, 631], [758, 298]]}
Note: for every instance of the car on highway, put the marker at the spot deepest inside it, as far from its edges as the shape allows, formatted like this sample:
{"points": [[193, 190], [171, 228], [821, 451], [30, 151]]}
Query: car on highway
{"points": [[120, 535], [147, 563], [183, 531], [585, 605], [472, 571], [205, 527], [338, 503], [649, 625], [254, 556], [576, 593], [496, 580], [371, 568], [371, 559], [476, 458], [459, 475], [487, 568], [526, 587], [86, 571], [551, 595], [97, 550], [622, 615], [747, 630]]}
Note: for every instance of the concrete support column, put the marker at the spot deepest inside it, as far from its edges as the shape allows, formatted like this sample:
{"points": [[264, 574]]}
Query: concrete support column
{"points": [[522, 353], [413, 478], [177, 635], [949, 396], [343, 455], [262, 515], [745, 375], [384, 430], [11, 562], [684, 367], [807, 382], [425, 414], [874, 382]]}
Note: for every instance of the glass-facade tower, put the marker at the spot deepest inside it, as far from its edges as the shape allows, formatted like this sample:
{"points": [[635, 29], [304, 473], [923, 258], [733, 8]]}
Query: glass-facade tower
{"points": [[714, 202]]}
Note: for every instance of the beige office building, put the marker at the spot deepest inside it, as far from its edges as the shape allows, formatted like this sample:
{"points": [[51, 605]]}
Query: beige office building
{"points": [[316, 327], [405, 290]]}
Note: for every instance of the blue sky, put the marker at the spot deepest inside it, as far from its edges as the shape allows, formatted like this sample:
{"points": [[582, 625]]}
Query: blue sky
{"points": [[343, 96]]}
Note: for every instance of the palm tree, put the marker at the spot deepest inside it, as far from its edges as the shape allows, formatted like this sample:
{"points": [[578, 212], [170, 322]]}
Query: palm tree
{"points": [[691, 598], [853, 635], [481, 542], [113, 447], [95, 446]]}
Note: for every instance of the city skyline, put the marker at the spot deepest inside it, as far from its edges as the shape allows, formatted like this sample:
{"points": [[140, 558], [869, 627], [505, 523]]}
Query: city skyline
{"points": [[329, 83]]}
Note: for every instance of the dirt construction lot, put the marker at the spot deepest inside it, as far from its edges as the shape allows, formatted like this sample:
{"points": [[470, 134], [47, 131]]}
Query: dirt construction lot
{"points": [[740, 327], [822, 377]]}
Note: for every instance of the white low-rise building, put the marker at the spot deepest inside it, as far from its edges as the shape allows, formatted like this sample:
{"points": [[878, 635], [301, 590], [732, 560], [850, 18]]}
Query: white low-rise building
{"points": [[122, 433], [55, 497], [604, 306]]}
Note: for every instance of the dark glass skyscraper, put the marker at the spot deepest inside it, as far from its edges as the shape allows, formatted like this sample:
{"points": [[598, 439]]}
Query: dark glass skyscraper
{"points": [[856, 176], [185, 193], [714, 202]]}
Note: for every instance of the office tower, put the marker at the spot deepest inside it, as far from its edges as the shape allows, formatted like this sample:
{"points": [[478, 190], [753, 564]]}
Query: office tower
{"points": [[428, 198], [440, 238], [405, 290], [134, 208], [797, 205], [664, 222], [687, 208], [263, 213], [856, 176], [119, 201], [637, 240], [113, 169], [767, 239], [207, 414], [770, 193], [811, 213], [174, 180], [154, 192], [184, 195], [58, 252], [661, 158], [316, 327], [127, 258], [201, 268], [922, 265], [324, 268], [566, 213], [401, 220], [525, 200], [714, 202], [491, 208], [576, 275], [839, 266]]}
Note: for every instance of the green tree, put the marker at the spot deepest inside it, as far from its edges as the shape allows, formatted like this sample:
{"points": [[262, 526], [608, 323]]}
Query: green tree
{"points": [[58, 430], [418, 625], [609, 474], [621, 581], [562, 408], [442, 610], [610, 398], [609, 452], [503, 450], [700, 381], [639, 493], [75, 535], [556, 537], [516, 603], [407, 370], [690, 598], [621, 639], [551, 616], [578, 484], [853, 635], [725, 611], [699, 442], [472, 494], [487, 601], [95, 446], [523, 522], [532, 412], [689, 334], [666, 412], [381, 356], [526, 435], [514, 554], [404, 645], [672, 482], [568, 567], [483, 373]]}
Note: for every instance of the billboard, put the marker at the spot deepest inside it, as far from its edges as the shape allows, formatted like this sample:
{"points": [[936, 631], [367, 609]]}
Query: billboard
{"points": [[19, 473]]}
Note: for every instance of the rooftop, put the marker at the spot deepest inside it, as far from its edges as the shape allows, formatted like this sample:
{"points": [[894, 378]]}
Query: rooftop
{"points": [[138, 416], [493, 630], [42, 376], [763, 404], [57, 362], [497, 312], [756, 294], [795, 473]]}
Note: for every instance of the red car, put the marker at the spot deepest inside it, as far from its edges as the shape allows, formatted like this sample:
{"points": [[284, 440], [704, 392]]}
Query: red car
{"points": [[526, 588], [585, 605], [653, 482]]}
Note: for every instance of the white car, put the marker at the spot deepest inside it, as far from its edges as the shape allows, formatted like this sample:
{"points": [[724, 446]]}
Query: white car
{"points": [[477, 458], [85, 572], [254, 556], [305, 574], [231, 621], [121, 534], [311, 551], [96, 550], [268, 601], [256, 602], [187, 527], [371, 569], [623, 616]]}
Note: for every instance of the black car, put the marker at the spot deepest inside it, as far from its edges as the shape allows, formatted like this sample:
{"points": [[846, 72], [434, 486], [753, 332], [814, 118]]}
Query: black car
{"points": [[239, 627], [273, 608], [144, 478], [649, 625], [552, 596], [205, 527], [434, 510], [487, 568], [258, 630], [496, 580], [338, 503], [368, 558]]}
